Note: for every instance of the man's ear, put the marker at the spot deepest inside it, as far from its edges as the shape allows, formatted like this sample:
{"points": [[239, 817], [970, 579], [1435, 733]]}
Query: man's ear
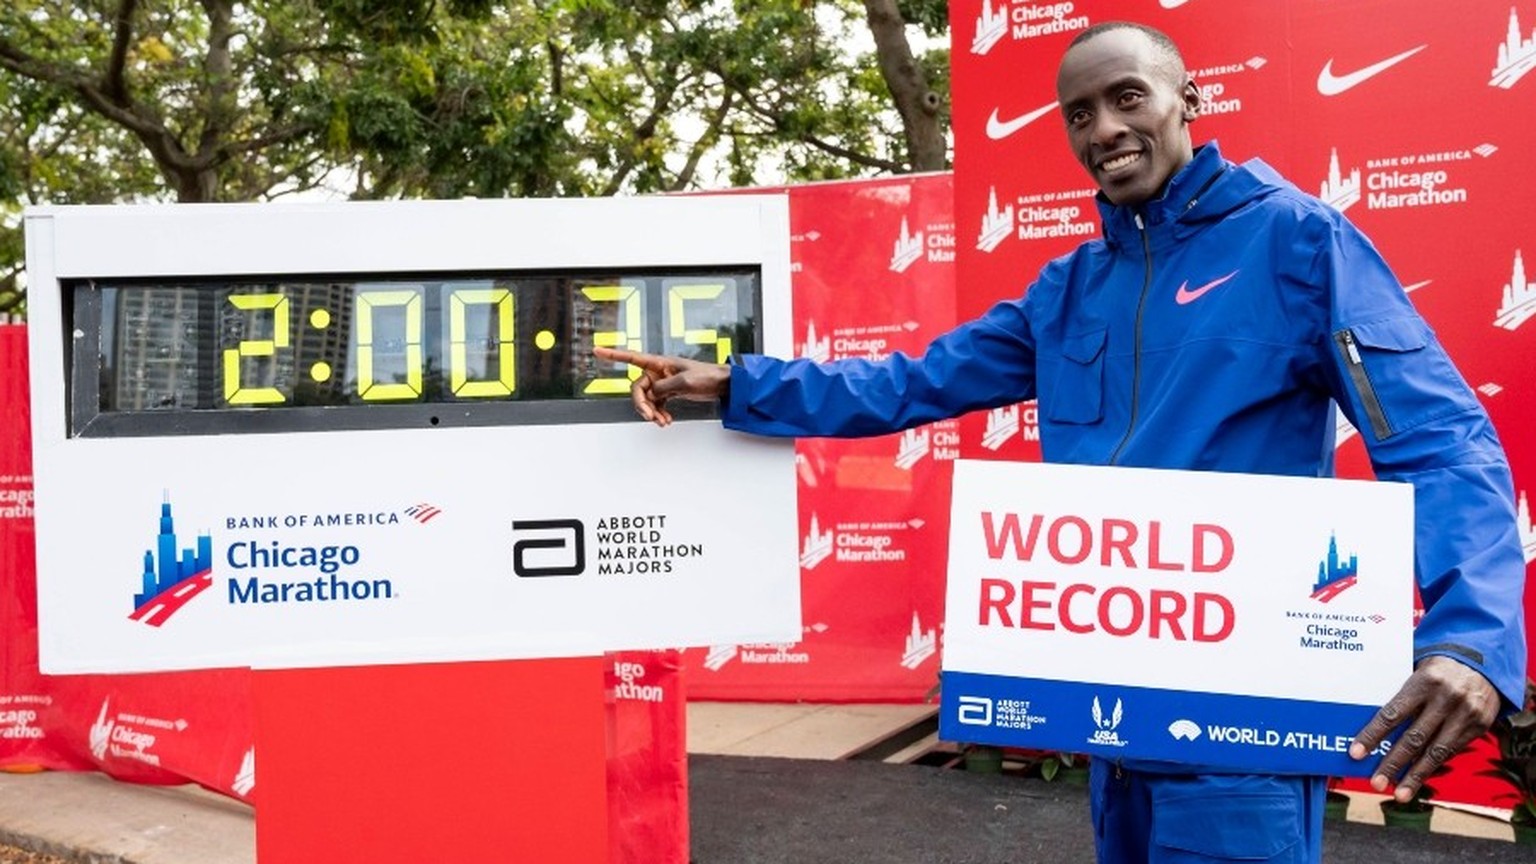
{"points": [[1191, 96]]}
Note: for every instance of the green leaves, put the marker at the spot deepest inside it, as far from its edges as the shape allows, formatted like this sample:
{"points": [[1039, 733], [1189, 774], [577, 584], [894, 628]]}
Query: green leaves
{"points": [[219, 100]]}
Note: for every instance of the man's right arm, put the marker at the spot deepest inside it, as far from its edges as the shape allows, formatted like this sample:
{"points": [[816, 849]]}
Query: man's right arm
{"points": [[981, 364]]}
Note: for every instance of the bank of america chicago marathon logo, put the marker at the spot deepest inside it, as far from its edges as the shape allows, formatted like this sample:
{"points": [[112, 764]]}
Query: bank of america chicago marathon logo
{"points": [[1038, 216], [941, 440], [1004, 423], [1516, 56], [1518, 300], [172, 577], [854, 542], [866, 342], [764, 653], [1334, 575], [937, 242], [1023, 19], [1324, 629], [1527, 528], [1398, 182]]}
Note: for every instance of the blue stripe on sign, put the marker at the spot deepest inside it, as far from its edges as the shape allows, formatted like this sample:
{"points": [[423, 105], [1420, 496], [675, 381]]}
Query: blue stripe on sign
{"points": [[1240, 733]]}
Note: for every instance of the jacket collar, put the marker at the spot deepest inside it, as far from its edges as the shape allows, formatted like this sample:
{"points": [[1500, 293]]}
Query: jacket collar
{"points": [[1181, 193]]}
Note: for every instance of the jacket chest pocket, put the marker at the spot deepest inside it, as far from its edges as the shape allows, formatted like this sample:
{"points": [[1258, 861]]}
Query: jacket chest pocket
{"points": [[1078, 393]]}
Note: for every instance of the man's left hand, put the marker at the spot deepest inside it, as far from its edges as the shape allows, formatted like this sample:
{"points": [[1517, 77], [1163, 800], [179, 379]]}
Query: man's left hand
{"points": [[1449, 703]]}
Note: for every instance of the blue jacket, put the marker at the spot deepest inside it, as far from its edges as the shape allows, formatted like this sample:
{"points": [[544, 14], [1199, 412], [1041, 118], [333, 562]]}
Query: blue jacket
{"points": [[1212, 330]]}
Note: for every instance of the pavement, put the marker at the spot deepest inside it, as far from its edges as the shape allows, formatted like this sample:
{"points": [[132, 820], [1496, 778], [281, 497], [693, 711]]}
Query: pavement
{"points": [[840, 804]]}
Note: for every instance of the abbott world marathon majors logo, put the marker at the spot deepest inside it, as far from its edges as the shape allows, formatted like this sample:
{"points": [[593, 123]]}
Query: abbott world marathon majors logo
{"points": [[264, 570], [1398, 182], [936, 243], [1023, 20], [622, 545], [854, 542]]}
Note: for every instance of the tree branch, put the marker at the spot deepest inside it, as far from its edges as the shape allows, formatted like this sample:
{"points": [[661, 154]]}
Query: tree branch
{"points": [[113, 83]]}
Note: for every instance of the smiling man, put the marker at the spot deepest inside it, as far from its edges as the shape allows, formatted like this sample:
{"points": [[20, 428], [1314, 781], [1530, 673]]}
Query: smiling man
{"points": [[1213, 327]]}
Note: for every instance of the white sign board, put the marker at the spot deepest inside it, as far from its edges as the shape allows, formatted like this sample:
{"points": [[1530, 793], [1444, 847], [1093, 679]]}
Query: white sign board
{"points": [[1243, 621], [372, 530]]}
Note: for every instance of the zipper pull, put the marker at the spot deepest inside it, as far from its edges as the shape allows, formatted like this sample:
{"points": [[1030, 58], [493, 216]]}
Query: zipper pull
{"points": [[1349, 347], [1139, 225]]}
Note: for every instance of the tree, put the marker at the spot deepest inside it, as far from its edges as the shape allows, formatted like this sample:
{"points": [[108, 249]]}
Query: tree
{"points": [[219, 100]]}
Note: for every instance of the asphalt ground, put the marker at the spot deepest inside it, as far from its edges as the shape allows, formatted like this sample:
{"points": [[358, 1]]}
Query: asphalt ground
{"points": [[746, 810], [742, 810]]}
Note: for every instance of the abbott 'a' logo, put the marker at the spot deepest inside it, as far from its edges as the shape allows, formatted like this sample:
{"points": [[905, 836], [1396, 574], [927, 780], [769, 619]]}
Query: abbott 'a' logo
{"points": [[549, 547], [974, 710], [171, 576]]}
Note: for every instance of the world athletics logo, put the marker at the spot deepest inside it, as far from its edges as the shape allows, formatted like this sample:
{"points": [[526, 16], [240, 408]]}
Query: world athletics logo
{"points": [[1334, 576], [171, 578]]}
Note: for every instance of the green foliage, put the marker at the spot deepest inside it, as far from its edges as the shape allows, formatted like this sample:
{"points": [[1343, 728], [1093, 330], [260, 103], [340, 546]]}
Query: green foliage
{"points": [[223, 100]]}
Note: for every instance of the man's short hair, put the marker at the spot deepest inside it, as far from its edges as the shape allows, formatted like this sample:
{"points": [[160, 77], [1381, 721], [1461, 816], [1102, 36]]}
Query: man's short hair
{"points": [[1172, 57]]}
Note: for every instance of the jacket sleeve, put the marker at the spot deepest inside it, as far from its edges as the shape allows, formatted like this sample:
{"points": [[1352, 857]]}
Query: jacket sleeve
{"points": [[1423, 425], [981, 364]]}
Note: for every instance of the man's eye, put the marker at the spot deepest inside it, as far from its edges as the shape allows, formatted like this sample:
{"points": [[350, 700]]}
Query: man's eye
{"points": [[1077, 118], [1130, 98]]}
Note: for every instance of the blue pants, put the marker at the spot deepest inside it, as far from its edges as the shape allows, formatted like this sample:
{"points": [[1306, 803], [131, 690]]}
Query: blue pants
{"points": [[1141, 817]]}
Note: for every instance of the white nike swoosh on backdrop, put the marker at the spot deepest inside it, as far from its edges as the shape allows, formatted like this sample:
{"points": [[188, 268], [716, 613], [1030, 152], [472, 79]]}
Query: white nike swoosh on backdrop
{"points": [[998, 129], [1330, 84], [1171, 4]]}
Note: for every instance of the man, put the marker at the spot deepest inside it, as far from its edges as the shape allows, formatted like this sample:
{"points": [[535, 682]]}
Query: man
{"points": [[1211, 329]]}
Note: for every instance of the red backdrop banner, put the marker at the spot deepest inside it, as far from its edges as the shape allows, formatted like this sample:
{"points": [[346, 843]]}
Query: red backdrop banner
{"points": [[872, 274]]}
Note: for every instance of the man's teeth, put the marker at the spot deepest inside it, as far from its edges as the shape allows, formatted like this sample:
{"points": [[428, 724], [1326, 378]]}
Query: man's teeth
{"points": [[1121, 161]]}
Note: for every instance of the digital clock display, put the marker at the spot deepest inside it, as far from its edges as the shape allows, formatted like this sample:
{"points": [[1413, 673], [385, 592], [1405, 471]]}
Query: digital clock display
{"points": [[290, 354]]}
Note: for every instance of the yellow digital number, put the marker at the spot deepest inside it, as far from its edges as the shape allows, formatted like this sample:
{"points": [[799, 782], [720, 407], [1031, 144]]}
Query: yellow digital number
{"points": [[234, 393], [677, 295], [367, 388], [628, 297], [500, 299]]}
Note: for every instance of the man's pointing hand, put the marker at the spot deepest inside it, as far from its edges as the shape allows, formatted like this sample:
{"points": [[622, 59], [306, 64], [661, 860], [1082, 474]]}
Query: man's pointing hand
{"points": [[664, 378]]}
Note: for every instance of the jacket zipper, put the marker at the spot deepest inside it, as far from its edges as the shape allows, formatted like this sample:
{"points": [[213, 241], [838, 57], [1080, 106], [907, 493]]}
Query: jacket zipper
{"points": [[1362, 381], [1141, 305]]}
